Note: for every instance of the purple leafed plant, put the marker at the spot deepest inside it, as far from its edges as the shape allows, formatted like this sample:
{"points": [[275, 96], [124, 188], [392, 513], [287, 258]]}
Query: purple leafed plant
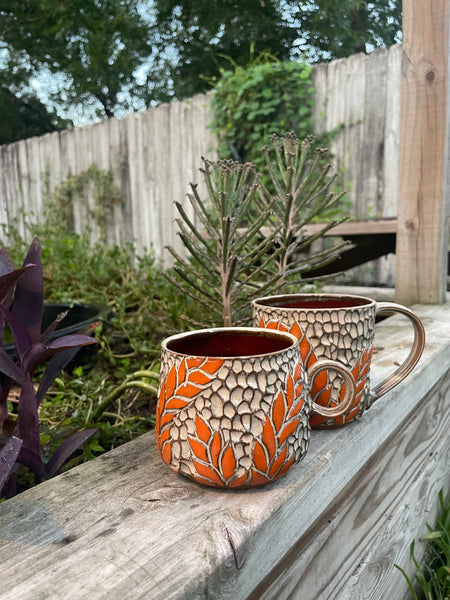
{"points": [[22, 307]]}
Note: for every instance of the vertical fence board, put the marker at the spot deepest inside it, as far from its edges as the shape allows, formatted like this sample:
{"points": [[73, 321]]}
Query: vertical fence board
{"points": [[373, 153], [320, 81], [391, 133], [335, 109], [353, 126]]}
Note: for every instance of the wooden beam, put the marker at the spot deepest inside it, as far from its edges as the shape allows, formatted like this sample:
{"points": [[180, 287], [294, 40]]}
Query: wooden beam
{"points": [[363, 227], [367, 227], [422, 215]]}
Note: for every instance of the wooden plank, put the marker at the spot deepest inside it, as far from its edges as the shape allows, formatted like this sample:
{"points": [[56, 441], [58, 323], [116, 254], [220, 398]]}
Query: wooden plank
{"points": [[133, 173], [389, 172], [354, 120], [365, 226], [116, 231], [371, 159], [150, 168], [177, 186], [146, 232], [335, 113], [200, 119], [163, 187], [369, 226], [369, 528], [125, 183], [391, 132], [124, 526], [319, 78], [422, 235], [33, 146], [362, 250]]}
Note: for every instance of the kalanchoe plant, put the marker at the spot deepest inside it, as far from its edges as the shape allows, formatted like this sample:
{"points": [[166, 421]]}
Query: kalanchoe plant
{"points": [[228, 258], [303, 191], [245, 241], [21, 307]]}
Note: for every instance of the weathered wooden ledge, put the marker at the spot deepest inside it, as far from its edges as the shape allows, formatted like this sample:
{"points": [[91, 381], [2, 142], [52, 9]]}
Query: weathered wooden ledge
{"points": [[124, 526]]}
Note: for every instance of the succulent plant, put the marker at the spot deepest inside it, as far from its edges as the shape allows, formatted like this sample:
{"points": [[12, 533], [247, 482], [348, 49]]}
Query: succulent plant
{"points": [[228, 258], [243, 240]]}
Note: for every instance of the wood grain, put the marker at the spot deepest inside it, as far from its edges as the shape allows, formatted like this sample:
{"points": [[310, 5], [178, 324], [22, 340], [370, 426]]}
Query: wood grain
{"points": [[355, 544], [423, 208], [124, 526]]}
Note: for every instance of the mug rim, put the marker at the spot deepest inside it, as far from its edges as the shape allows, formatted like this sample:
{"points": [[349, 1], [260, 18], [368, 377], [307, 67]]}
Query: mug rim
{"points": [[256, 331], [275, 301]]}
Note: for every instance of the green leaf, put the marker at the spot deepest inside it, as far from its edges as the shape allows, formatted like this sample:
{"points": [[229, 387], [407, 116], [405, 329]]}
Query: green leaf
{"points": [[432, 535]]}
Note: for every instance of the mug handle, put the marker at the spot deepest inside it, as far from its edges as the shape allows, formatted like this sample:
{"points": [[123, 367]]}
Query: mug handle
{"points": [[347, 402], [414, 354]]}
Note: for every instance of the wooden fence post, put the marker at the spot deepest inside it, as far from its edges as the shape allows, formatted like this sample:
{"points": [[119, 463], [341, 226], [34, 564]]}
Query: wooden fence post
{"points": [[424, 183]]}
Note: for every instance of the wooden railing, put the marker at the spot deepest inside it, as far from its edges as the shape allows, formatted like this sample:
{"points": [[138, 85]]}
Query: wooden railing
{"points": [[123, 526]]}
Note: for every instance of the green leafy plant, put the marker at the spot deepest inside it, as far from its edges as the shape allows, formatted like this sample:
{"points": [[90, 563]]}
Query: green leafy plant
{"points": [[304, 189], [244, 241], [228, 259], [433, 578], [267, 97]]}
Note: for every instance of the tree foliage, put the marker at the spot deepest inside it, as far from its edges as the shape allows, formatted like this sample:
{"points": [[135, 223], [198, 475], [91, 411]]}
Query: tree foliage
{"points": [[105, 56], [25, 116], [205, 36], [93, 47], [338, 28]]}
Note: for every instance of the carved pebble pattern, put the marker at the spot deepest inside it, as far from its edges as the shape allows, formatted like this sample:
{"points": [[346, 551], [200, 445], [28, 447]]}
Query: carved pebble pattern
{"points": [[232, 423], [342, 335]]}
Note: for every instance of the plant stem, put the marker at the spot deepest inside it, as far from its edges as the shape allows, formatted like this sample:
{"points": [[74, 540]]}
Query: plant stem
{"points": [[133, 384]]}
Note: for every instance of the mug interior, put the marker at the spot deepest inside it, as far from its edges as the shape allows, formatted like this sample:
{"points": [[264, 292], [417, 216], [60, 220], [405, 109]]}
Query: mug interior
{"points": [[320, 302], [227, 344]]}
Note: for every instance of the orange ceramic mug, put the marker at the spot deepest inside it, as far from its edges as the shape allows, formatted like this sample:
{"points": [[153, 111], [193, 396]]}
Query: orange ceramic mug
{"points": [[342, 328], [234, 405]]}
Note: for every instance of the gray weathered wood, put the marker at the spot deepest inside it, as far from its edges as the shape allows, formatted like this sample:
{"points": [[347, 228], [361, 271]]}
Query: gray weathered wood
{"points": [[424, 185], [357, 544], [124, 526], [359, 99], [155, 154]]}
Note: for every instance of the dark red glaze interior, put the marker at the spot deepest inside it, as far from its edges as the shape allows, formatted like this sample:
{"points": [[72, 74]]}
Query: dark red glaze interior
{"points": [[228, 344], [316, 302]]}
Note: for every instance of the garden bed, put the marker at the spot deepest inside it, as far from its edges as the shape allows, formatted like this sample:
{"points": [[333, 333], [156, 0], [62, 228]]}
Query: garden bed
{"points": [[124, 526]]}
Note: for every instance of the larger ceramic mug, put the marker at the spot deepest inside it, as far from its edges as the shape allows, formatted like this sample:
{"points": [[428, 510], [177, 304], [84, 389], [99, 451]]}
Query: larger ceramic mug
{"points": [[338, 327], [234, 405]]}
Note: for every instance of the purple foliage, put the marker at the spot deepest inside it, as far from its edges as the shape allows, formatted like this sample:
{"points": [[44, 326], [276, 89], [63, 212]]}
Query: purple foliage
{"points": [[21, 307], [8, 457]]}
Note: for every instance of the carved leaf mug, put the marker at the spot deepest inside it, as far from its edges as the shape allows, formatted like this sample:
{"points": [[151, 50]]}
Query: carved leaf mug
{"points": [[342, 328], [234, 404]]}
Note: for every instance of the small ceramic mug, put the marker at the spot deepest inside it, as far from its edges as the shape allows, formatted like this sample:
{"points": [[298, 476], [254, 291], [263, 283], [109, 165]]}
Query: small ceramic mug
{"points": [[234, 405], [342, 328]]}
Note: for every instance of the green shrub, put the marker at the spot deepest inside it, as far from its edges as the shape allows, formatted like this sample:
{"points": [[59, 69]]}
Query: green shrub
{"points": [[252, 103]]}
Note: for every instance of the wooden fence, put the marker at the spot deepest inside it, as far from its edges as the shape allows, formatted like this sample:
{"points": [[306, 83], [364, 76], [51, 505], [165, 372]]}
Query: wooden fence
{"points": [[154, 154]]}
